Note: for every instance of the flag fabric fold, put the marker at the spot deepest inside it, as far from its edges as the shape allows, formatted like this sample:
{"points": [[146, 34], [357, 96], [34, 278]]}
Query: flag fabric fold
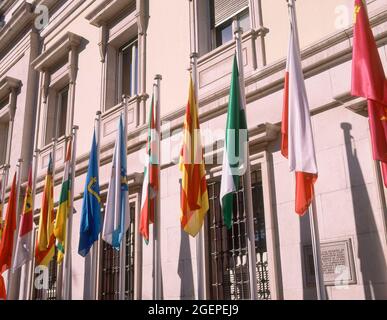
{"points": [[45, 242], [116, 221], [63, 212], [23, 245], [297, 137], [3, 293], [6, 244], [235, 147], [150, 186], [369, 81], [91, 206], [193, 192]]}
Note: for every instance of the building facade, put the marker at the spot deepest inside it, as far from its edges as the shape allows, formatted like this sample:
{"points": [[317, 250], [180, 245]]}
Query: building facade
{"points": [[62, 61]]}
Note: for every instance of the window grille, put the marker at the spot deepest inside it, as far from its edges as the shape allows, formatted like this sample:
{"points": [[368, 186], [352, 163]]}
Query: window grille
{"points": [[50, 293], [110, 265], [228, 252]]}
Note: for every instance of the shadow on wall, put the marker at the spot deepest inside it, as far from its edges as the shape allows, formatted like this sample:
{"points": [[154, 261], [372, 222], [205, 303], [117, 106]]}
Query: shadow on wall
{"points": [[185, 270], [369, 248]]}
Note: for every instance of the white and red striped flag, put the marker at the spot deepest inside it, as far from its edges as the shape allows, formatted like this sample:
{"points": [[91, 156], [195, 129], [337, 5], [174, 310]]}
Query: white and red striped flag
{"points": [[297, 138]]}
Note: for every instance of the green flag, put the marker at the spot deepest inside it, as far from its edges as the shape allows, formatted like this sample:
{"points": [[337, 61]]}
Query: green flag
{"points": [[235, 148]]}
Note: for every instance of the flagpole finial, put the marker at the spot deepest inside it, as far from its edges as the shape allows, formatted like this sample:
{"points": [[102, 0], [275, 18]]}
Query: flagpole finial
{"points": [[158, 77], [75, 128], [193, 55], [98, 113], [20, 160]]}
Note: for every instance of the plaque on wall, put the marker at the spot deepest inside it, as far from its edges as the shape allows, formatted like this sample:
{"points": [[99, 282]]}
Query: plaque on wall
{"points": [[337, 263]]}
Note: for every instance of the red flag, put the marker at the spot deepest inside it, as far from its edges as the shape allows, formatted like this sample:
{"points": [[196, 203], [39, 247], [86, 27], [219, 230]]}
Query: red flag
{"points": [[369, 81], [6, 245], [3, 294]]}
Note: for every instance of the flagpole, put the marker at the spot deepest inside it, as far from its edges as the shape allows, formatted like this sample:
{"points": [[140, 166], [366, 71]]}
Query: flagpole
{"points": [[11, 273], [320, 288], [157, 218], [194, 71], [29, 269], [123, 242], [247, 176], [94, 250], [67, 289]]}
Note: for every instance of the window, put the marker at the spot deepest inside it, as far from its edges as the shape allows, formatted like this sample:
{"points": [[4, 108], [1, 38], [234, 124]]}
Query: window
{"points": [[228, 252], [223, 13], [128, 70], [57, 114], [110, 265], [4, 128], [50, 294]]}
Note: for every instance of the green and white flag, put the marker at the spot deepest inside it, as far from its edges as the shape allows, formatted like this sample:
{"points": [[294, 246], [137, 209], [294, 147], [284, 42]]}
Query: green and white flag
{"points": [[235, 148]]}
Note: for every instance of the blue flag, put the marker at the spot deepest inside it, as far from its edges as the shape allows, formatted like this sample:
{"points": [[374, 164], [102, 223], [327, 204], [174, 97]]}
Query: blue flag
{"points": [[91, 207]]}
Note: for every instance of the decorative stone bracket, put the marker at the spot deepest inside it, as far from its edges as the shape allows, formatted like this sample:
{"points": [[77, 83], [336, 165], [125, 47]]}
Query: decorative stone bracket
{"points": [[10, 87]]}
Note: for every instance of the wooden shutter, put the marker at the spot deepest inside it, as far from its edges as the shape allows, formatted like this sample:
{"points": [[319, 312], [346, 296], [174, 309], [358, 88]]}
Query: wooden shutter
{"points": [[225, 9]]}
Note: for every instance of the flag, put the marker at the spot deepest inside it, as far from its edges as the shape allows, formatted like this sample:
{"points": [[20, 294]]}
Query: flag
{"points": [[369, 81], [91, 205], [45, 242], [150, 186], [3, 293], [23, 245], [235, 147], [297, 138], [116, 221], [6, 244], [193, 193], [64, 207]]}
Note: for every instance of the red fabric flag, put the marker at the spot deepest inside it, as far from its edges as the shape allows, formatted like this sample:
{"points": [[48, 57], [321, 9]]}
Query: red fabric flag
{"points": [[6, 245], [369, 81], [3, 294]]}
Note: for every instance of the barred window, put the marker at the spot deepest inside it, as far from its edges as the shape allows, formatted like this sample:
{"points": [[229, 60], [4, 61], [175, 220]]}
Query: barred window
{"points": [[228, 252], [50, 293], [110, 265]]}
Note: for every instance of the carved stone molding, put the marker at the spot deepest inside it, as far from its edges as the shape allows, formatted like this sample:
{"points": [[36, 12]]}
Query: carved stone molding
{"points": [[9, 87], [19, 20]]}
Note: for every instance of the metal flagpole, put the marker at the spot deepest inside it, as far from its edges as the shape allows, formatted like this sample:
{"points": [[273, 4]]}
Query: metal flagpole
{"points": [[156, 225], [60, 269], [123, 242], [30, 270], [247, 176], [11, 272], [94, 250], [321, 295], [194, 59], [67, 292]]}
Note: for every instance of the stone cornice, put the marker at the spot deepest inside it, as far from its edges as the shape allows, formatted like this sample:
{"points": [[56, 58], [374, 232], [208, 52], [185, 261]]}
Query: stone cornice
{"points": [[18, 22], [107, 10], [8, 84], [56, 52]]}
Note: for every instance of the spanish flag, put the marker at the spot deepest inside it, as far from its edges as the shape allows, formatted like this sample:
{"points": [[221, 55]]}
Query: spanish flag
{"points": [[1, 210], [45, 243], [194, 196], [64, 208], [297, 143]]}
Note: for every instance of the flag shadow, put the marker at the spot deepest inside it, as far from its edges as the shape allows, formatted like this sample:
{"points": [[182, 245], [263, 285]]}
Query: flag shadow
{"points": [[185, 270], [369, 247]]}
